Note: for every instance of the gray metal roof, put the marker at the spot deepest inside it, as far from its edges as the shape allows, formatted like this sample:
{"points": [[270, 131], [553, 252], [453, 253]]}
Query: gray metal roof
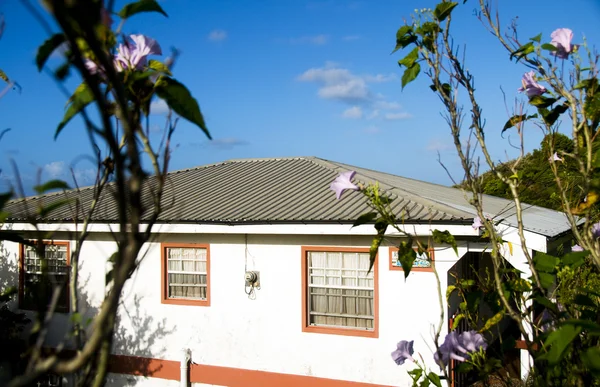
{"points": [[293, 190]]}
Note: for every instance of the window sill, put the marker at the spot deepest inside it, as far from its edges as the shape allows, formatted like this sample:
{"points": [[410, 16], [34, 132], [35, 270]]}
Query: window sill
{"points": [[341, 331], [187, 302]]}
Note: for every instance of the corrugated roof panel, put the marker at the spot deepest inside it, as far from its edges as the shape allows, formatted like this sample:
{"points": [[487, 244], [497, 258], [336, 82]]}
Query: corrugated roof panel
{"points": [[292, 189]]}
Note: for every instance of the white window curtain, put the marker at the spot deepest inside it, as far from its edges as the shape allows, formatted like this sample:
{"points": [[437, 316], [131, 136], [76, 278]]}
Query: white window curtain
{"points": [[340, 292], [187, 273]]}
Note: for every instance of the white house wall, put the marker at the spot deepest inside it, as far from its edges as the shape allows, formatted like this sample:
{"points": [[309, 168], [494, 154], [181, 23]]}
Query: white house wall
{"points": [[263, 334]]}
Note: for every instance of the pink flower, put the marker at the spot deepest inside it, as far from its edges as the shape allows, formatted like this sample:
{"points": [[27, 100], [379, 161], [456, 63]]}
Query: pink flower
{"points": [[477, 223], [576, 248], [342, 183], [134, 55], [554, 158], [530, 85], [561, 39]]}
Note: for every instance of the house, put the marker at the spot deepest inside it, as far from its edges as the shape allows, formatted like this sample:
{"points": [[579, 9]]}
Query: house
{"points": [[255, 268]]}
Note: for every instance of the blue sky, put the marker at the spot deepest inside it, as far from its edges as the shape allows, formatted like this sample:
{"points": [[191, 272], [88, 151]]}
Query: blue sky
{"points": [[285, 78]]}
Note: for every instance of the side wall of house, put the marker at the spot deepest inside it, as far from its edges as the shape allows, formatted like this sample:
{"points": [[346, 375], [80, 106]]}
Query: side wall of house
{"points": [[236, 336]]}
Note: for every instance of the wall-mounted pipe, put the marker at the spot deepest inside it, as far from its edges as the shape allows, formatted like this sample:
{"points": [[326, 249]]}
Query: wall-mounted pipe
{"points": [[185, 361]]}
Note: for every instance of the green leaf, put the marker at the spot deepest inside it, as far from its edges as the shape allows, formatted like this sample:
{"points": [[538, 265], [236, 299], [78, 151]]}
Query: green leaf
{"points": [[44, 211], [549, 47], [435, 379], [514, 120], [559, 341], [50, 185], [179, 98], [449, 291], [591, 359], [3, 76], [548, 304], [62, 71], [585, 84], [365, 218], [546, 280], [522, 51], [456, 320], [410, 59], [574, 259], [589, 326], [583, 300], [550, 116], [159, 66], [406, 256], [76, 318], [541, 101], [79, 100], [445, 237], [536, 38], [404, 37], [492, 321], [47, 48], [545, 263], [410, 74], [380, 227], [519, 285], [443, 10], [141, 6]]}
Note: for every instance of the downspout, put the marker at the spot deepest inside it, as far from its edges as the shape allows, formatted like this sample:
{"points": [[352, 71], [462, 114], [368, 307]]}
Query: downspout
{"points": [[184, 360]]}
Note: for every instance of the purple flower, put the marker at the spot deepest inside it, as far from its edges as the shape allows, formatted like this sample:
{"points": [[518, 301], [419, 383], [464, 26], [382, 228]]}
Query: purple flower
{"points": [[472, 341], [530, 86], [576, 248], [561, 39], [342, 183], [554, 158], [455, 346], [403, 352], [477, 224], [134, 55], [448, 350], [92, 66], [596, 230]]}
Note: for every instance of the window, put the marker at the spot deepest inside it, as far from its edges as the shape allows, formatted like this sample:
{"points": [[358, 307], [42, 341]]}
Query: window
{"points": [[185, 274], [35, 288], [422, 261], [338, 295]]}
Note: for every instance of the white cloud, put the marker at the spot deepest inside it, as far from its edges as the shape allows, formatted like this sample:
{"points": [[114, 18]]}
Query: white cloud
{"points": [[55, 169], [380, 78], [60, 170], [351, 38], [217, 35], [85, 176], [437, 145], [397, 116], [372, 129], [221, 143], [355, 112], [317, 40], [385, 105], [159, 107], [373, 114], [338, 83]]}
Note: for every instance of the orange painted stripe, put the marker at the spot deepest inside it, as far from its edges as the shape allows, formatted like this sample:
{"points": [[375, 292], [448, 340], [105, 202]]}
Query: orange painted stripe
{"points": [[143, 366], [222, 376], [237, 377]]}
